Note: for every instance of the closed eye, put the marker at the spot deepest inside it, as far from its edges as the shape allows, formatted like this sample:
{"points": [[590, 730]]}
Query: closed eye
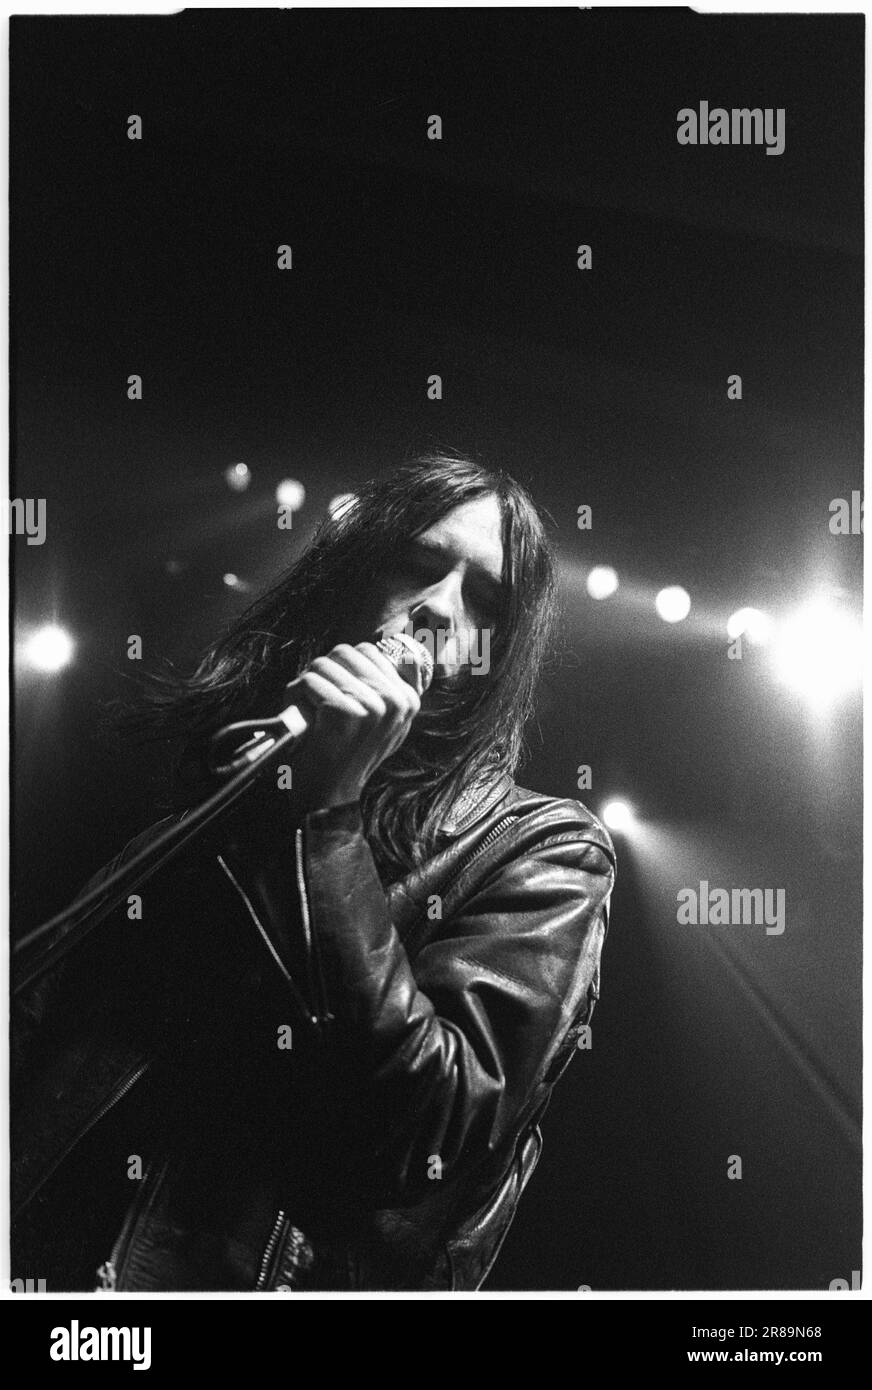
{"points": [[485, 602], [418, 565]]}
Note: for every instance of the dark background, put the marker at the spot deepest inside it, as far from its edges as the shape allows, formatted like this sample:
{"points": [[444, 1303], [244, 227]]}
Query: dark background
{"points": [[607, 388]]}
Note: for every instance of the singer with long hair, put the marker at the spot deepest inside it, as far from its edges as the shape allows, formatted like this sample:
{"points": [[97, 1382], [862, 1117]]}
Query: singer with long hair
{"points": [[316, 1050]]}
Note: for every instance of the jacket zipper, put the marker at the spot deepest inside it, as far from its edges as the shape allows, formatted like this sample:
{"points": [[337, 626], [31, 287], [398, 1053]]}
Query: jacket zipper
{"points": [[316, 1010], [109, 1271], [501, 826], [322, 1015], [269, 1252], [289, 981], [112, 1100]]}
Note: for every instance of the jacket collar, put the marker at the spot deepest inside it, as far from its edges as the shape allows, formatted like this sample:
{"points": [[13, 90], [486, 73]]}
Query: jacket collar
{"points": [[475, 802]]}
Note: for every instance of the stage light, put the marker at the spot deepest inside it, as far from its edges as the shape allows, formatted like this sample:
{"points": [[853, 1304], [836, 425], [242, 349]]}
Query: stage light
{"points": [[750, 623], [237, 476], [673, 604], [290, 493], [818, 652], [602, 581], [618, 816], [234, 582], [48, 649], [340, 504]]}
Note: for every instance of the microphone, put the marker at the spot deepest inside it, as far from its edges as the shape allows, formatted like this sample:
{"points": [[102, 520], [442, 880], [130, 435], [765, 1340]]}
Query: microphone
{"points": [[410, 658]]}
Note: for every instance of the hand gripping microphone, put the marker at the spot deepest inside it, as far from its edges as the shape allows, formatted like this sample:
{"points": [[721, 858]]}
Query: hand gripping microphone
{"points": [[236, 745]]}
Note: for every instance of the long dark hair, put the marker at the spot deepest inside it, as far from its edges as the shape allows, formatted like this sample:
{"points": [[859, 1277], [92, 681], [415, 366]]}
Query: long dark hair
{"points": [[475, 726]]}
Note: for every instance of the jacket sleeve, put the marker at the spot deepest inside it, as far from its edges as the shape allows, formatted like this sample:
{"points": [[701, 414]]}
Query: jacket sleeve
{"points": [[449, 1054]]}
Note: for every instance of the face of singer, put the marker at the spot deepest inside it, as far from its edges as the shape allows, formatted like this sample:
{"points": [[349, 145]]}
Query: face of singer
{"points": [[446, 584]]}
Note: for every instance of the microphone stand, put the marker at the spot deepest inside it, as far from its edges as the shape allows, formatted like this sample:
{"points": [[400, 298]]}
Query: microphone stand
{"points": [[271, 736], [82, 916]]}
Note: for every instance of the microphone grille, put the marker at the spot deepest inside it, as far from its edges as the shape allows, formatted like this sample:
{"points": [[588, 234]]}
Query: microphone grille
{"points": [[401, 648]]}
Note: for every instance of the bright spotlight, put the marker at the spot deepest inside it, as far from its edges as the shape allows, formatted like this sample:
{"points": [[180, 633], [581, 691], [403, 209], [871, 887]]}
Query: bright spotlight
{"points": [[750, 623], [618, 816], [234, 582], [237, 476], [602, 581], [340, 504], [49, 648], [819, 652], [290, 493], [673, 604]]}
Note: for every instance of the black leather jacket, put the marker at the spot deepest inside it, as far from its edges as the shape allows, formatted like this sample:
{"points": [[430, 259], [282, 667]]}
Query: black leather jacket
{"points": [[326, 1085]]}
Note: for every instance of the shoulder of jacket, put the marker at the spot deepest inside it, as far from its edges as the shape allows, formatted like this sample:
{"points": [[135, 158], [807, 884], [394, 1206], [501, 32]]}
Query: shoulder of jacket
{"points": [[522, 826], [560, 819], [541, 819]]}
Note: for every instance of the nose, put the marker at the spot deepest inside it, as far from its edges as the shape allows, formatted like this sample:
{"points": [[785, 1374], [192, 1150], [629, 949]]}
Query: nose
{"points": [[439, 609]]}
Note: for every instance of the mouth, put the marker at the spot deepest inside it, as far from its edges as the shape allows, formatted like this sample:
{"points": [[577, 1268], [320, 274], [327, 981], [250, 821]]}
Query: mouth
{"points": [[446, 685]]}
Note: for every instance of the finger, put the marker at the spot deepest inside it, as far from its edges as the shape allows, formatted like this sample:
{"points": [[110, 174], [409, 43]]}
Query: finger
{"points": [[388, 683], [371, 665], [408, 669], [321, 693], [372, 653], [374, 701], [367, 662]]}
